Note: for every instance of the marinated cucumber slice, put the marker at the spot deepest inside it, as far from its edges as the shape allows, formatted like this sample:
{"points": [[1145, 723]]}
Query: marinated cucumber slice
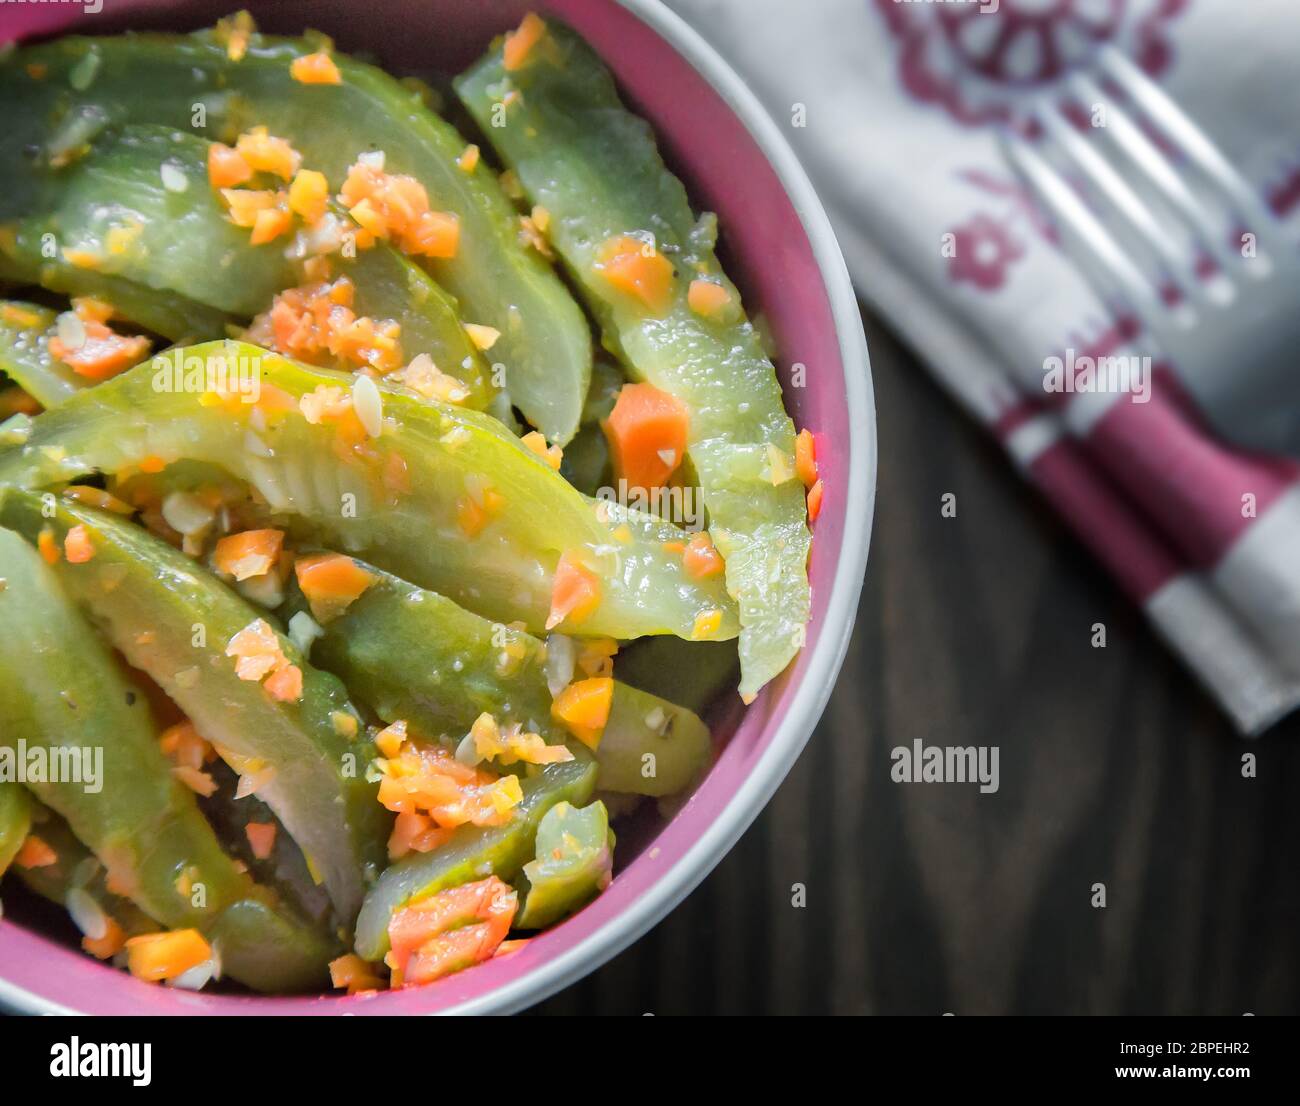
{"points": [[472, 853], [194, 85], [174, 621], [444, 497], [594, 167], [113, 784]]}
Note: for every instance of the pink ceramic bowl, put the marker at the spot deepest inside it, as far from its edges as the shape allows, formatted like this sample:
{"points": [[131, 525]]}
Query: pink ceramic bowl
{"points": [[779, 248]]}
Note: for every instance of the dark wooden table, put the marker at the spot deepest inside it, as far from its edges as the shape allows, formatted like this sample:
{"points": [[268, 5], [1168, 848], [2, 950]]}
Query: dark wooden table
{"points": [[1115, 769]]}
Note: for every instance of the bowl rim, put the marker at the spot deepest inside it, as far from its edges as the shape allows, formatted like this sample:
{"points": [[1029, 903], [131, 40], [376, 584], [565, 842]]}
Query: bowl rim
{"points": [[808, 698]]}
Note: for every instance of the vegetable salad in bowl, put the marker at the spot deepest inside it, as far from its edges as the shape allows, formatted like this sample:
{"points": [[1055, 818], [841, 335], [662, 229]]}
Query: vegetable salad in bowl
{"points": [[383, 501]]}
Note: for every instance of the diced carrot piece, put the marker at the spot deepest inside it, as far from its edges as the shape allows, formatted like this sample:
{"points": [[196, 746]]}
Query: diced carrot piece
{"points": [[104, 352], [35, 853], [575, 592], [552, 455], [635, 267], [702, 558], [97, 497], [268, 225], [286, 684], [483, 337], [48, 547], [246, 204], [248, 553], [583, 708], [309, 194], [184, 745], [152, 464], [805, 458], [267, 154], [351, 972], [331, 582], [390, 739], [468, 160], [519, 43], [434, 234], [647, 432], [450, 930], [707, 298], [226, 166], [159, 956], [198, 782], [261, 838], [76, 545], [814, 501], [416, 832], [257, 651], [91, 310], [109, 945], [318, 68]]}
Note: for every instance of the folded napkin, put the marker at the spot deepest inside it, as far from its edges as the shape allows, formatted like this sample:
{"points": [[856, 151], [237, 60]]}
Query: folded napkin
{"points": [[892, 108]]}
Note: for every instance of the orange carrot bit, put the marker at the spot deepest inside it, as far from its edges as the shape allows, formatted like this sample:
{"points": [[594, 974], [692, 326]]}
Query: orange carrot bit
{"points": [[35, 853], [104, 352], [647, 432], [248, 553], [702, 558], [519, 43], [552, 454], [415, 832], [575, 592], [256, 650], [109, 944], [270, 224], [814, 501], [76, 545], [261, 838], [331, 582], [638, 269], [583, 708], [392, 205], [227, 167], [48, 547], [805, 458], [152, 464], [198, 782], [318, 68], [450, 930], [97, 497], [265, 153], [91, 310], [286, 684], [351, 972], [309, 194], [428, 779], [708, 298], [245, 204], [391, 738], [469, 158], [158, 956], [475, 511], [182, 744]]}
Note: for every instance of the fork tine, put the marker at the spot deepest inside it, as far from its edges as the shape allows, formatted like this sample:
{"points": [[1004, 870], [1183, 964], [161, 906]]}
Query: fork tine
{"points": [[1161, 110], [1104, 260], [1159, 173], [1135, 214]]}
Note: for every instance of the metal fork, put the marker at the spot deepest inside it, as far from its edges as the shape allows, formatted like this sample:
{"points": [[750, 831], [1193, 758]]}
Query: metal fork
{"points": [[1234, 340]]}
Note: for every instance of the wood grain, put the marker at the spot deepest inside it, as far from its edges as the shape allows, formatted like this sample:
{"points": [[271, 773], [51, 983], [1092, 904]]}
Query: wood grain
{"points": [[1115, 769]]}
